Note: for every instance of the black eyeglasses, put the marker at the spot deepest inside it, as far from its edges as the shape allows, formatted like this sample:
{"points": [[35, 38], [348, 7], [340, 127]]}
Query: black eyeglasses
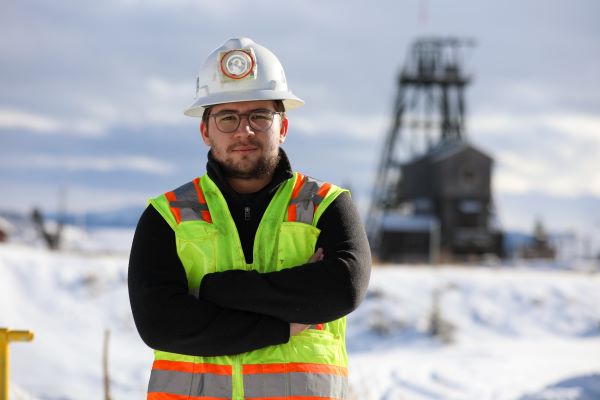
{"points": [[259, 120]]}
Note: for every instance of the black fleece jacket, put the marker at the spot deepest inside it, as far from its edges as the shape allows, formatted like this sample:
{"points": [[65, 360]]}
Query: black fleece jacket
{"points": [[239, 311]]}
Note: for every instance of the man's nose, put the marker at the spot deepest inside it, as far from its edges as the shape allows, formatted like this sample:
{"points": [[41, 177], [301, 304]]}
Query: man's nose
{"points": [[244, 126]]}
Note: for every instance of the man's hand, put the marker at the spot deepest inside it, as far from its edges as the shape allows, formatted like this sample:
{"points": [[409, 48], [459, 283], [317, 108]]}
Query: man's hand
{"points": [[298, 328], [318, 256]]}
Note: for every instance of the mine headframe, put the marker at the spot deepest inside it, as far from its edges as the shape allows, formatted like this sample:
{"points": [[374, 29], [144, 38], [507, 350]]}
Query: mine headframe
{"points": [[429, 176]]}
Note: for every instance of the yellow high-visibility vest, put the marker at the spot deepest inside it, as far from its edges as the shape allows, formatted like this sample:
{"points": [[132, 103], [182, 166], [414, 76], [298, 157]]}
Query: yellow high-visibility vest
{"points": [[313, 363]]}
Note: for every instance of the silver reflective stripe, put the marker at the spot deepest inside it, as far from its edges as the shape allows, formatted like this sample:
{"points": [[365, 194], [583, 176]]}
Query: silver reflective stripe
{"points": [[188, 203], [188, 384], [306, 200], [295, 384]]}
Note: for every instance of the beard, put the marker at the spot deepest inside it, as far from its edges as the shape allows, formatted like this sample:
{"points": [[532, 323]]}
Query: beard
{"points": [[264, 166]]}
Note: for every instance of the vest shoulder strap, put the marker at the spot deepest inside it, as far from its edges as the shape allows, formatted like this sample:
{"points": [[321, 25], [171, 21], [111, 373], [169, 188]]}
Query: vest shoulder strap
{"points": [[187, 203], [308, 200], [308, 194]]}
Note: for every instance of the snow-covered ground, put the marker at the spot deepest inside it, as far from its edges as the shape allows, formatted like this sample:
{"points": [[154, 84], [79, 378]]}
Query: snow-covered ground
{"points": [[505, 333], [522, 332]]}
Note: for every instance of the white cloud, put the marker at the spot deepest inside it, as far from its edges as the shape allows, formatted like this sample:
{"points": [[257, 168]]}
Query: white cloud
{"points": [[156, 101], [98, 164], [204, 5], [164, 89], [528, 93], [36, 123], [510, 182], [556, 153], [582, 126], [23, 120], [371, 126], [163, 102], [524, 172], [576, 125], [534, 167]]}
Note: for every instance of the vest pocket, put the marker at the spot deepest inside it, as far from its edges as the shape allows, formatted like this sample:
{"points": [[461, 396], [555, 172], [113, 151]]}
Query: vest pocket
{"points": [[200, 255], [297, 243], [310, 365], [323, 344]]}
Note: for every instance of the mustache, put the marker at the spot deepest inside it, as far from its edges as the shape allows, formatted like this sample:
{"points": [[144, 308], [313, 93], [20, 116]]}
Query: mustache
{"points": [[249, 142]]}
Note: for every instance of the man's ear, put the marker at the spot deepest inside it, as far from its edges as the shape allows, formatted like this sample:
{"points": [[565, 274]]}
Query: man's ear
{"points": [[283, 130], [204, 133]]}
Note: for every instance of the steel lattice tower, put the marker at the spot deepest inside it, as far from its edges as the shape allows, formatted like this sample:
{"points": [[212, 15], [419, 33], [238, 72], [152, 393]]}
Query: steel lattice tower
{"points": [[428, 112]]}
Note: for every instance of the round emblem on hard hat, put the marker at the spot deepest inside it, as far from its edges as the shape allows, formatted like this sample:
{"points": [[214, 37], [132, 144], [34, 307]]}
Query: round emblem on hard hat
{"points": [[237, 64]]}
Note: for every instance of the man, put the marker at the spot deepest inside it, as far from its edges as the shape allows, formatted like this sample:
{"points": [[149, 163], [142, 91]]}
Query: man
{"points": [[241, 279]]}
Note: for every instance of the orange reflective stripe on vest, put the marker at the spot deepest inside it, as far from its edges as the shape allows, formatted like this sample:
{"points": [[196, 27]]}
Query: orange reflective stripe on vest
{"points": [[295, 192], [174, 210], [187, 203], [170, 380], [308, 193], [295, 380]]}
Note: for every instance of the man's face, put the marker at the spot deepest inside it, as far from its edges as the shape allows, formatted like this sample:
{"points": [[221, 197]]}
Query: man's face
{"points": [[245, 153]]}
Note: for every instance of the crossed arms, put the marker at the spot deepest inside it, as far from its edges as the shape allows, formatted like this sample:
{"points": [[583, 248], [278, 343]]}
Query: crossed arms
{"points": [[239, 311]]}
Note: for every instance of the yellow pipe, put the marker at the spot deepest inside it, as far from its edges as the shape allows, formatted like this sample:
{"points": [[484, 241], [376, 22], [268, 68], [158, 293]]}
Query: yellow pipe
{"points": [[7, 336]]}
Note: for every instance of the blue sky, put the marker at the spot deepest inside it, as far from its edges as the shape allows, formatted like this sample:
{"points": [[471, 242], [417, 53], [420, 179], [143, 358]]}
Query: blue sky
{"points": [[93, 93]]}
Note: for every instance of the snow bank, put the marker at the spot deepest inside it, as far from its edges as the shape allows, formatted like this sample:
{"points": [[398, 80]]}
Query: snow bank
{"points": [[509, 332], [504, 333], [586, 387], [68, 300]]}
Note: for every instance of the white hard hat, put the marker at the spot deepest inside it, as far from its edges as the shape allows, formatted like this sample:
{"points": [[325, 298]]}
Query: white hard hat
{"points": [[241, 70]]}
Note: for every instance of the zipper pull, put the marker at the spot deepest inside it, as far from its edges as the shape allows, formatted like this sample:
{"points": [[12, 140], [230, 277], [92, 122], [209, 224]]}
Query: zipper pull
{"points": [[246, 213]]}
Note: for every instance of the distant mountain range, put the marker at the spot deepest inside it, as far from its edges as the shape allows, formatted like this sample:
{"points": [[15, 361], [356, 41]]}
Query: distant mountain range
{"points": [[126, 217], [565, 219]]}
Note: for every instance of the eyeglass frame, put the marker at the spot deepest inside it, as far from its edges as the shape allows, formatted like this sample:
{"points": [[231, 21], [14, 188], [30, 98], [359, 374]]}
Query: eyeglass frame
{"points": [[247, 115]]}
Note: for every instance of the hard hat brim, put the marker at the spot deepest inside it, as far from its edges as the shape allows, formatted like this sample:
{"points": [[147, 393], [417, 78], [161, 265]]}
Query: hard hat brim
{"points": [[290, 101]]}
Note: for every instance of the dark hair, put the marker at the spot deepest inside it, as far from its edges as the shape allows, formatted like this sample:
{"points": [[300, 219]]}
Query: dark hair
{"points": [[278, 104]]}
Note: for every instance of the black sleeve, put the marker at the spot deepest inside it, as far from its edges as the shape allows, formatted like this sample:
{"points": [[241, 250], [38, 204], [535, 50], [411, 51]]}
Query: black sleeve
{"points": [[170, 319], [311, 293]]}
